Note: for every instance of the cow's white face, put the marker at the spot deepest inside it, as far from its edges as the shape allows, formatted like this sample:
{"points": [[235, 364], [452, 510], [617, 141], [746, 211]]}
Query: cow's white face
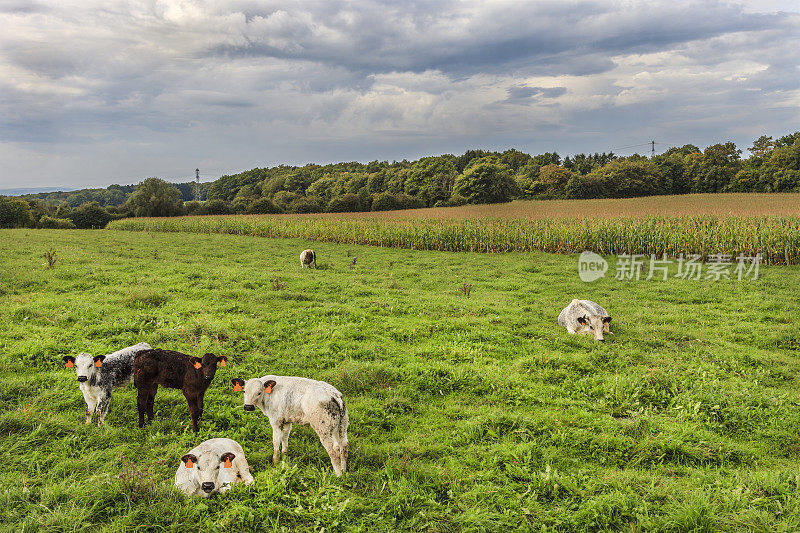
{"points": [[595, 325], [85, 367], [254, 391], [209, 470]]}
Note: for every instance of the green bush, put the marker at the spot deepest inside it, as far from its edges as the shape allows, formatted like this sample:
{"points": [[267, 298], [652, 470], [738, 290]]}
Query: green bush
{"points": [[215, 207], [90, 216], [56, 223], [263, 206], [347, 203], [385, 201]]}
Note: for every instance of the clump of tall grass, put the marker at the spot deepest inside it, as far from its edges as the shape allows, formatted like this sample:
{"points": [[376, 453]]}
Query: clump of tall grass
{"points": [[777, 239]]}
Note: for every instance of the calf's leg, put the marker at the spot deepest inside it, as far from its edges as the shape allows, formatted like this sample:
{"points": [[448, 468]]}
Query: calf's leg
{"points": [[287, 428], [151, 400], [102, 408], [142, 395], [194, 409], [277, 437], [91, 405]]}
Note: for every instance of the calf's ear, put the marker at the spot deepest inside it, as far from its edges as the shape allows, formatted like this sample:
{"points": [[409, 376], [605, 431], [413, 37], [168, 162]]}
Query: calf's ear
{"points": [[237, 384], [227, 457], [98, 360], [189, 460], [268, 386], [582, 320], [222, 360], [69, 361], [196, 362], [606, 319]]}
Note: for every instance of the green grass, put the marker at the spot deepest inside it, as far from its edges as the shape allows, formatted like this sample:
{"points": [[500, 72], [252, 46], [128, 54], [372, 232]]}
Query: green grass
{"points": [[467, 414], [776, 238]]}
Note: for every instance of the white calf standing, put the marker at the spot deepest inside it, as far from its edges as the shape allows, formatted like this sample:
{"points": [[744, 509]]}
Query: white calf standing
{"points": [[100, 375], [212, 467], [585, 316], [288, 400], [308, 258]]}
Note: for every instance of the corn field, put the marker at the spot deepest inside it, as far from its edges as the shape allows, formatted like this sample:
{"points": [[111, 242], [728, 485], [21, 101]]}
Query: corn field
{"points": [[777, 239]]}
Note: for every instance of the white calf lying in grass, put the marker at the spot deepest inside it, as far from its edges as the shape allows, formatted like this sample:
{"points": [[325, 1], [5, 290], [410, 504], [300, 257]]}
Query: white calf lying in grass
{"points": [[288, 400], [308, 258], [100, 375], [585, 316], [212, 467]]}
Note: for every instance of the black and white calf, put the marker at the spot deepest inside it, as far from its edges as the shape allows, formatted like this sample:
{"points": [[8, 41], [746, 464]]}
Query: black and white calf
{"points": [[288, 400], [100, 375]]}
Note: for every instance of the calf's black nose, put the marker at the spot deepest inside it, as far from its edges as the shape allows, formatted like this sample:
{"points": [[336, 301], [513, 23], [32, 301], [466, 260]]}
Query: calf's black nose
{"points": [[208, 486], [82, 378], [248, 407]]}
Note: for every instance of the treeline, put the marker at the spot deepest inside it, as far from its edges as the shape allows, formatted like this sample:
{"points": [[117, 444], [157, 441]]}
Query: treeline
{"points": [[477, 176], [480, 176]]}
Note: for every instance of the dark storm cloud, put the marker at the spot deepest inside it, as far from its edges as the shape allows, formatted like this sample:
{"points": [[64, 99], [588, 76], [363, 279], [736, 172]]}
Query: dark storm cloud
{"points": [[535, 38]]}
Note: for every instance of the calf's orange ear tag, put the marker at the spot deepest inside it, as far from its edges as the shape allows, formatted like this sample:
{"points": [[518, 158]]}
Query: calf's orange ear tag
{"points": [[69, 364], [189, 463], [223, 363], [197, 366], [98, 364], [268, 390], [227, 463], [237, 387]]}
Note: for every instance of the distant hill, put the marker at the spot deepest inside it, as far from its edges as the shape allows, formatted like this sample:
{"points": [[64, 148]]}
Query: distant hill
{"points": [[33, 190], [113, 195]]}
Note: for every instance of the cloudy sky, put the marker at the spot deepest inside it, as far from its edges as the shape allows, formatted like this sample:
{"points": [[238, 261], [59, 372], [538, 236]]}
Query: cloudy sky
{"points": [[94, 92]]}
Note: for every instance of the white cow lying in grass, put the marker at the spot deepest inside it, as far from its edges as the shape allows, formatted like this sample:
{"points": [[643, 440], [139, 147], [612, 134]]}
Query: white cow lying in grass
{"points": [[212, 467], [288, 400], [100, 375], [308, 258], [587, 317]]}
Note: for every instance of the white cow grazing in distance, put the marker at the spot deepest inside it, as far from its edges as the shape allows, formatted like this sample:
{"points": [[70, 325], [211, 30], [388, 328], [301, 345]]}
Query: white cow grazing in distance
{"points": [[288, 400], [212, 467], [308, 258], [100, 375], [586, 317]]}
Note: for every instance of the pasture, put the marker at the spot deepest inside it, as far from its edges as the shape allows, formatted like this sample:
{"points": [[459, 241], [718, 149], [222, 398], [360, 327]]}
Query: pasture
{"points": [[467, 412]]}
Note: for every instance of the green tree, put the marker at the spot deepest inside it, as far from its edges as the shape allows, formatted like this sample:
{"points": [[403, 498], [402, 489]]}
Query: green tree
{"points": [[431, 179], [90, 216], [14, 213], [551, 181], [155, 198], [486, 181], [717, 168], [624, 178], [762, 146]]}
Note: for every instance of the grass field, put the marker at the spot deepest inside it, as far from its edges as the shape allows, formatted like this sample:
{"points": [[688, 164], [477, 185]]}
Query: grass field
{"points": [[467, 413]]}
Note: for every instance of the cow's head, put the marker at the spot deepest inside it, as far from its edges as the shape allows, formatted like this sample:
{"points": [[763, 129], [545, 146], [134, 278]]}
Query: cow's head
{"points": [[207, 366], [255, 391], [86, 366], [208, 470], [595, 325]]}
